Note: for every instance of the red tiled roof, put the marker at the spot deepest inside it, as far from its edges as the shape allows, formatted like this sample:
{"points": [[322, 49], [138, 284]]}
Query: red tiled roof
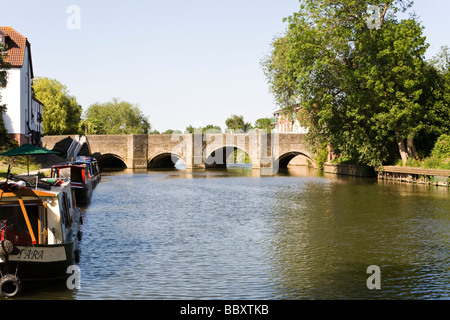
{"points": [[16, 46]]}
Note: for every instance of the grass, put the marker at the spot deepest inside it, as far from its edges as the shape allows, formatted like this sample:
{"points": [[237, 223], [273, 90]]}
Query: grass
{"points": [[16, 170], [18, 166], [427, 163]]}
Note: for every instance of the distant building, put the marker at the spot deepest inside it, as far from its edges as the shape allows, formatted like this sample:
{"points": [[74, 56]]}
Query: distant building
{"points": [[283, 123], [288, 123], [23, 118]]}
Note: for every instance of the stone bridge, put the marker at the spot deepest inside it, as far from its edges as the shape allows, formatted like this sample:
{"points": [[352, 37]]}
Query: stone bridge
{"points": [[265, 150]]}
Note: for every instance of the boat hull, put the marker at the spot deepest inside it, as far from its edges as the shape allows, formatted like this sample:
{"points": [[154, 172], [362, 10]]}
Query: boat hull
{"points": [[40, 262], [83, 193]]}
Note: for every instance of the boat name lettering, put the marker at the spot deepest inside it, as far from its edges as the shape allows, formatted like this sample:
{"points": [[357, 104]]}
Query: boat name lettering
{"points": [[31, 254]]}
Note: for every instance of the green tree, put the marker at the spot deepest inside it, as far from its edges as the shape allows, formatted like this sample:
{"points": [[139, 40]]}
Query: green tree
{"points": [[116, 117], [237, 124], [210, 128], [437, 94], [358, 73], [61, 112], [4, 67], [171, 131], [264, 124], [190, 129]]}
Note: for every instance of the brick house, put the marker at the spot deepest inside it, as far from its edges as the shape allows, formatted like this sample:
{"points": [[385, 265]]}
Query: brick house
{"points": [[283, 123]]}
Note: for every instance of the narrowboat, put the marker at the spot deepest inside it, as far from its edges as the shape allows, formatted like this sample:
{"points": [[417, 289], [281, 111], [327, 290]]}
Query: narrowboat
{"points": [[92, 164], [81, 181], [84, 174], [40, 234]]}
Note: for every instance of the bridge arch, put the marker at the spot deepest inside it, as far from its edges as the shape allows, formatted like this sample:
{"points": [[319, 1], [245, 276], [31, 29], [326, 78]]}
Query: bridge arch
{"points": [[218, 158], [110, 161], [165, 160], [284, 159]]}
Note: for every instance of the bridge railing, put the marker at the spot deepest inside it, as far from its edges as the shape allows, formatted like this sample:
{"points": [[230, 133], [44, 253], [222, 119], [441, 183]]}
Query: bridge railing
{"points": [[75, 147]]}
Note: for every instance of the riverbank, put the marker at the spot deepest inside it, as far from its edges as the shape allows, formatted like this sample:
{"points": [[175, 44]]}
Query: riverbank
{"points": [[437, 177], [349, 170], [38, 163]]}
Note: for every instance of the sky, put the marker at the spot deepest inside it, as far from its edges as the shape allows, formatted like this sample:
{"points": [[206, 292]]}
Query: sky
{"points": [[183, 63]]}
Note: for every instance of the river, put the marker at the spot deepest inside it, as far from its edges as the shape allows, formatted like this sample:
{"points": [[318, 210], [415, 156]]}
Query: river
{"points": [[233, 234]]}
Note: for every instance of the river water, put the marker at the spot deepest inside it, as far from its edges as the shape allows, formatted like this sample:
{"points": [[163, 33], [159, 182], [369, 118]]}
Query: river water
{"points": [[233, 234]]}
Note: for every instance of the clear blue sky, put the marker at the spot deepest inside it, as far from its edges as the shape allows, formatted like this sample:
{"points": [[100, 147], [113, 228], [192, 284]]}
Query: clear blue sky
{"points": [[183, 62]]}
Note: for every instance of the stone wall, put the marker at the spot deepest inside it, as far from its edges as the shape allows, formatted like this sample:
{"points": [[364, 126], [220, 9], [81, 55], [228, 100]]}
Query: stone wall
{"points": [[349, 170]]}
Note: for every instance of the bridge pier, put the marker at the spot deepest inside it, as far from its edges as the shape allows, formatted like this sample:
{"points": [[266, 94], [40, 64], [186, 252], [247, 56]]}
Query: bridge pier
{"points": [[137, 152]]}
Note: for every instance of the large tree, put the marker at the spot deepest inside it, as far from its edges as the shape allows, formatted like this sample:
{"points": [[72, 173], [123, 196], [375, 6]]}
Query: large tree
{"points": [[116, 117], [61, 112], [359, 74]]}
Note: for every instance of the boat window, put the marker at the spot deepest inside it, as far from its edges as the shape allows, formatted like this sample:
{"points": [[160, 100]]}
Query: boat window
{"points": [[66, 211], [76, 175], [12, 216], [63, 173], [13, 225]]}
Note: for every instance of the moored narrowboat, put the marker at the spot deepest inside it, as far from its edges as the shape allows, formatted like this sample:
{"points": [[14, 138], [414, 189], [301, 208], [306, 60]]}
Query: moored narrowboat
{"points": [[80, 180], [93, 167], [40, 234], [84, 174]]}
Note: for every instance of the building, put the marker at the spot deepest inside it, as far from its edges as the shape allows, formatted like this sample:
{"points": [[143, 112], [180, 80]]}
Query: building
{"points": [[283, 123], [23, 117]]}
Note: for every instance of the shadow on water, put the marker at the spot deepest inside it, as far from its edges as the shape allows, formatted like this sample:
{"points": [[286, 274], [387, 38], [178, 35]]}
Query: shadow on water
{"points": [[55, 290]]}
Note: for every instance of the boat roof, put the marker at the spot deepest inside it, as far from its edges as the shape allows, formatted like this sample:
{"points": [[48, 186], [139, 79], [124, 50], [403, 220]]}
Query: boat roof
{"points": [[53, 191], [26, 193], [69, 165], [85, 159]]}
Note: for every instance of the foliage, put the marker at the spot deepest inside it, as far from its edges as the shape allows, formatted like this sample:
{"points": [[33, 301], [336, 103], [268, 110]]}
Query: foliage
{"points": [[210, 128], [361, 79], [441, 149], [237, 124], [264, 124], [171, 131], [4, 137], [4, 66], [191, 130], [115, 117], [322, 155], [61, 112], [439, 157]]}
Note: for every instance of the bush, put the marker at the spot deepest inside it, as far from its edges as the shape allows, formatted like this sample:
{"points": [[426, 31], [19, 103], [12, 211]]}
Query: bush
{"points": [[322, 156], [441, 149]]}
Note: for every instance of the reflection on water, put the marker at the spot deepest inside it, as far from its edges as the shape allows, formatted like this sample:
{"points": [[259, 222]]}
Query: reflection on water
{"points": [[237, 234]]}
